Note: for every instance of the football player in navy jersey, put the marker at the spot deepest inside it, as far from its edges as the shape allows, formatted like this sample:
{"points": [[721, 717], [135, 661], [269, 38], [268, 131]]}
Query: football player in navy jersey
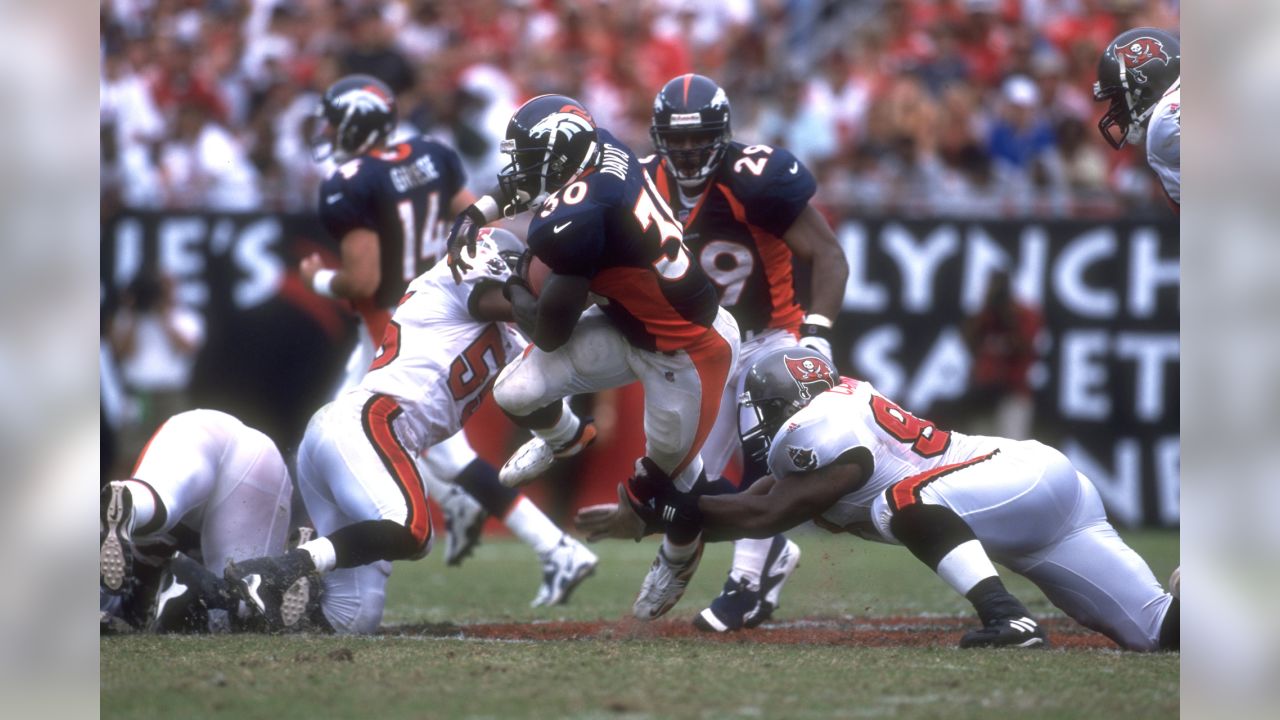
{"points": [[384, 203], [607, 236], [746, 216]]}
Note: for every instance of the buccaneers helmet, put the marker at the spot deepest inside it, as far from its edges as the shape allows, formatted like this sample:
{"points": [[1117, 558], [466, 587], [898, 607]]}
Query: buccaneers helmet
{"points": [[691, 127], [778, 386], [1133, 74], [356, 114], [550, 139]]}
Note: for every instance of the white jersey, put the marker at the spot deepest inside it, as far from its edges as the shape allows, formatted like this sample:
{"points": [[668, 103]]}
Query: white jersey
{"points": [[1164, 141], [437, 360], [890, 443], [1026, 503]]}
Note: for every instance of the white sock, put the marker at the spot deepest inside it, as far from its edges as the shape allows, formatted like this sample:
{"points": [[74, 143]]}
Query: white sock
{"points": [[749, 555], [678, 553], [965, 566], [564, 429], [322, 553], [144, 503], [532, 526]]}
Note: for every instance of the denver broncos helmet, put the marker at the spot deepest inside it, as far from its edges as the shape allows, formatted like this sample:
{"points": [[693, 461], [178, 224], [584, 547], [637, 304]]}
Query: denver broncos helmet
{"points": [[778, 386], [1133, 74], [690, 127], [356, 114], [550, 139]]}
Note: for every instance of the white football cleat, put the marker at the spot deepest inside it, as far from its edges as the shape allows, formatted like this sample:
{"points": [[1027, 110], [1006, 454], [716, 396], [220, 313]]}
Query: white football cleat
{"points": [[665, 584], [563, 569], [115, 553], [535, 457], [463, 520]]}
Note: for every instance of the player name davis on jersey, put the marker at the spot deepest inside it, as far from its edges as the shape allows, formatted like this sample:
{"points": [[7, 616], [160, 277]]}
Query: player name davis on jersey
{"points": [[613, 162]]}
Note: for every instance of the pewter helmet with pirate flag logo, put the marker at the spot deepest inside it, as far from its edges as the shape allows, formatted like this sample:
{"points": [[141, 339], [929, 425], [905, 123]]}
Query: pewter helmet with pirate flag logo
{"points": [[1134, 72], [778, 386]]}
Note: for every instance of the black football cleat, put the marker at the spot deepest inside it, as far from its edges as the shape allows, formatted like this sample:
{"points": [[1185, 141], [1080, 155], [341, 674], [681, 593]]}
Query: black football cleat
{"points": [[279, 588], [1019, 632]]}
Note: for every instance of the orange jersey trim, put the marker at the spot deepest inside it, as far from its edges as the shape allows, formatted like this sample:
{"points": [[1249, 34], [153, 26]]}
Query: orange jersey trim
{"points": [[907, 492], [378, 414], [776, 256], [638, 292]]}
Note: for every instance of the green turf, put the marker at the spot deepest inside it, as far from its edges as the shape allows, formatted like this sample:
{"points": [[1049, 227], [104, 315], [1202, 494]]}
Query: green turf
{"points": [[321, 677]]}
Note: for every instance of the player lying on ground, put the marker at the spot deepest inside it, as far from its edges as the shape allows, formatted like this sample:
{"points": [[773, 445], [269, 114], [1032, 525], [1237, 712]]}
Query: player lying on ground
{"points": [[203, 474], [356, 470], [606, 235], [848, 458], [383, 202], [1140, 75], [746, 216]]}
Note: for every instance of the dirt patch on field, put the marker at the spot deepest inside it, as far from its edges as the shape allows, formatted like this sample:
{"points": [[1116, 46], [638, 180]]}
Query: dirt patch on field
{"points": [[904, 631]]}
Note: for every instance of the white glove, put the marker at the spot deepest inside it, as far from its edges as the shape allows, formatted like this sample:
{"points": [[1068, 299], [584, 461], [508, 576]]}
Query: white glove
{"points": [[818, 343]]}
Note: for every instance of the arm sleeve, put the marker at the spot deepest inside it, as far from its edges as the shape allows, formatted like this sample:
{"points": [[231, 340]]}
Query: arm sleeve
{"points": [[342, 207], [775, 198], [577, 249]]}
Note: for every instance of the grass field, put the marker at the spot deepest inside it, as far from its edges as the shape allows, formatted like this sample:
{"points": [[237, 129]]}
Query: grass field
{"points": [[451, 651]]}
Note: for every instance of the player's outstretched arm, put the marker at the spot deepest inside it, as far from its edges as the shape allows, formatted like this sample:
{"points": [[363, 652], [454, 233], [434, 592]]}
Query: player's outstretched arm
{"points": [[813, 242], [488, 304], [790, 501]]}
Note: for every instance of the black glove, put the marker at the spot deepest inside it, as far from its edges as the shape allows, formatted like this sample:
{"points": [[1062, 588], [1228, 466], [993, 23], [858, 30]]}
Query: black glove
{"points": [[654, 498], [463, 235]]}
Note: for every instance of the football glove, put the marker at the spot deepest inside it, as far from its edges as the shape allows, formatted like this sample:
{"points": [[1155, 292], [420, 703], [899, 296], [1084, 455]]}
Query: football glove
{"points": [[463, 235], [818, 344]]}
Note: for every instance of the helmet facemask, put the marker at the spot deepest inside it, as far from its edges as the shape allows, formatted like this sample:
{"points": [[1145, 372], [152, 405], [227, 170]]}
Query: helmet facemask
{"points": [[1124, 112], [692, 153], [531, 176], [770, 414]]}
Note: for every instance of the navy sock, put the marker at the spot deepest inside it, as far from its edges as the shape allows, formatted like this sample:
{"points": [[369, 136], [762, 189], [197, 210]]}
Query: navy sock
{"points": [[480, 480]]}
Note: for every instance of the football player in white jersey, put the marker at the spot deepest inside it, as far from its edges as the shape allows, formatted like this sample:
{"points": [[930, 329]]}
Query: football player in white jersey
{"points": [[382, 202], [853, 461], [1140, 75], [210, 472], [356, 467]]}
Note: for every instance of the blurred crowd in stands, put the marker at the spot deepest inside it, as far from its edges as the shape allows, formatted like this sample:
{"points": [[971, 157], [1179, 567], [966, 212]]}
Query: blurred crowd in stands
{"points": [[908, 107]]}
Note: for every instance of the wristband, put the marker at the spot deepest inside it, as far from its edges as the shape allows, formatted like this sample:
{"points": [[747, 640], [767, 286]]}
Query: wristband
{"points": [[488, 208], [322, 282], [820, 320]]}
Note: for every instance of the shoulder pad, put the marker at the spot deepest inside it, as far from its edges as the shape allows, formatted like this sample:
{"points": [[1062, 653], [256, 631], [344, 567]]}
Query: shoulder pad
{"points": [[813, 438]]}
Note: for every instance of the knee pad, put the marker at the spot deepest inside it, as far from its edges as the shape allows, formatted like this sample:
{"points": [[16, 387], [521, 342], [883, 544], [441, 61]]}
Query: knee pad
{"points": [[520, 389]]}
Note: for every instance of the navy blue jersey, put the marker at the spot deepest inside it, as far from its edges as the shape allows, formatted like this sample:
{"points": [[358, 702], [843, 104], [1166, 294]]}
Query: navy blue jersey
{"points": [[612, 227], [736, 226], [403, 194]]}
